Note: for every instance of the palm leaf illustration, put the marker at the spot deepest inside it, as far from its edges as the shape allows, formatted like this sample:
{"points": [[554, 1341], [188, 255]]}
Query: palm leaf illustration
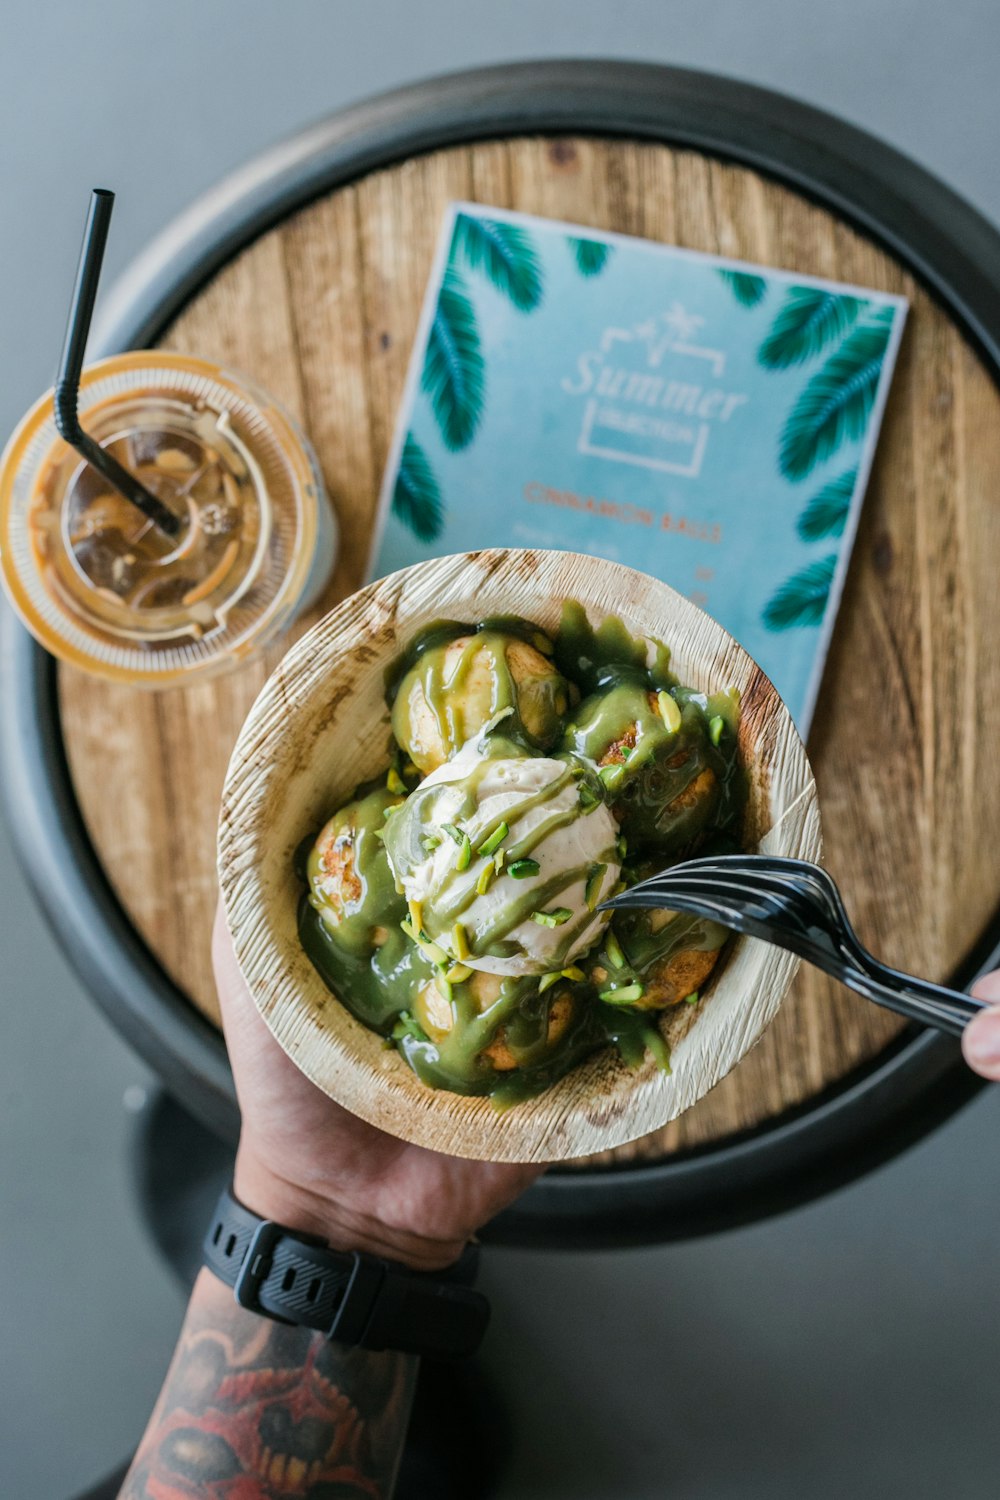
{"points": [[826, 513], [454, 374], [591, 256], [747, 288], [506, 254], [801, 599], [806, 322], [416, 498], [835, 405]]}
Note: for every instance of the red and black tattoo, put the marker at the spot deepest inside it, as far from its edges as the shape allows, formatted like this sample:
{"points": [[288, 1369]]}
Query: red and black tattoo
{"points": [[253, 1410]]}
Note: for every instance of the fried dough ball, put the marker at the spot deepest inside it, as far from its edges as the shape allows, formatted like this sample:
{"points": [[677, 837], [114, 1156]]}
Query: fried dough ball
{"points": [[668, 791], [435, 1015], [671, 979], [333, 868], [470, 680], [350, 881], [676, 974]]}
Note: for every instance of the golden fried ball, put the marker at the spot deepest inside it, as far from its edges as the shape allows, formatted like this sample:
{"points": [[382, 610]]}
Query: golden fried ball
{"points": [[647, 818], [436, 1016], [333, 870], [671, 980], [475, 677]]}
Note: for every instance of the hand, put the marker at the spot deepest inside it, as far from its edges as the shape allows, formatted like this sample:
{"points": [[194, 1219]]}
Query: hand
{"points": [[307, 1163], [981, 1041]]}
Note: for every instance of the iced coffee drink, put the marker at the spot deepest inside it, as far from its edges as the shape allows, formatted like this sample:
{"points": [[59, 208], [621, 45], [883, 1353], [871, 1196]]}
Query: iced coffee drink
{"points": [[101, 585]]}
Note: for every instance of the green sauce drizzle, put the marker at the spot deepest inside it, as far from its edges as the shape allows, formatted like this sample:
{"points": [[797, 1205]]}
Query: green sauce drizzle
{"points": [[592, 699]]}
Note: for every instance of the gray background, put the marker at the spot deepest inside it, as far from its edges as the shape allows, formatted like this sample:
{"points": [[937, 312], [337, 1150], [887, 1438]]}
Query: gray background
{"points": [[849, 1348]]}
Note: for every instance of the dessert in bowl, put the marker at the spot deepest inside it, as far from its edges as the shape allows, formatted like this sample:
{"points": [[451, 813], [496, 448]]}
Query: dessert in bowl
{"points": [[427, 805]]}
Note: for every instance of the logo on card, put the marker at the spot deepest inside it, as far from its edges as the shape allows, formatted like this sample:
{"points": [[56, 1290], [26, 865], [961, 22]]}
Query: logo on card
{"points": [[652, 394]]}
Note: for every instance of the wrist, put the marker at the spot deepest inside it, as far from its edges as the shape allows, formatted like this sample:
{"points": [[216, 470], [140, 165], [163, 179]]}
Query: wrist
{"points": [[297, 1207]]}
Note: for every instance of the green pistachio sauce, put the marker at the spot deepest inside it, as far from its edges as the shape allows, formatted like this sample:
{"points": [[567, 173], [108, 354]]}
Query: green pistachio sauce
{"points": [[596, 701]]}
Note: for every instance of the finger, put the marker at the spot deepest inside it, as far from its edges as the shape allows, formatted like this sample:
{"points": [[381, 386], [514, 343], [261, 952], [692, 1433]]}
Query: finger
{"points": [[981, 1039], [988, 987]]}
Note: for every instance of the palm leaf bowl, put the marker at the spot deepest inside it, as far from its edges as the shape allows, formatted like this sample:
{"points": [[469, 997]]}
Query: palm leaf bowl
{"points": [[320, 725]]}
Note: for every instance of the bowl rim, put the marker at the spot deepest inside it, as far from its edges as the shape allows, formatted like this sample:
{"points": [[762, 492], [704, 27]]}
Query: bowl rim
{"points": [[567, 1120]]}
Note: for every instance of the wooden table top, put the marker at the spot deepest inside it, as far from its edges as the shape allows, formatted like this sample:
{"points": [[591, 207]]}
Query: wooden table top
{"points": [[322, 310]]}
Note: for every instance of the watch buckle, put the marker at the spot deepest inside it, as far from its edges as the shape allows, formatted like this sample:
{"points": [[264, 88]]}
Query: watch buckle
{"points": [[256, 1265]]}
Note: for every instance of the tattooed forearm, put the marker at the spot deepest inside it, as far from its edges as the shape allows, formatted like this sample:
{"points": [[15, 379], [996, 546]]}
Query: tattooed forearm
{"points": [[252, 1410]]}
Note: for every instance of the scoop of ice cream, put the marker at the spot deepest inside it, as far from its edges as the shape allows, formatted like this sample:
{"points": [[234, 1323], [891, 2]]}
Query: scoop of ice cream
{"points": [[504, 858]]}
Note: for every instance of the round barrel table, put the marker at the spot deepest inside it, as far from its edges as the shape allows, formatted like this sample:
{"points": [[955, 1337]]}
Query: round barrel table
{"points": [[307, 270]]}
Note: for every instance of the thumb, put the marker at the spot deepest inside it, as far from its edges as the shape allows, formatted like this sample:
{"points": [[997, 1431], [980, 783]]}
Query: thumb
{"points": [[981, 1041]]}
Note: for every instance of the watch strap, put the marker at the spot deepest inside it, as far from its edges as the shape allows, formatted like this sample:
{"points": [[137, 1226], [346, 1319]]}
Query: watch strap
{"points": [[349, 1296]]}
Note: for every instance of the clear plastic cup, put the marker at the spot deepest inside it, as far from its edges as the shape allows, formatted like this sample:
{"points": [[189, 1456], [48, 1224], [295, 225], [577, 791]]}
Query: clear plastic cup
{"points": [[100, 586]]}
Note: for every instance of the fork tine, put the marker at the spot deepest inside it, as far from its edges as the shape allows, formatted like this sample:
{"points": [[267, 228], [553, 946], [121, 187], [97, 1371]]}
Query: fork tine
{"points": [[733, 886], [814, 884], [797, 906]]}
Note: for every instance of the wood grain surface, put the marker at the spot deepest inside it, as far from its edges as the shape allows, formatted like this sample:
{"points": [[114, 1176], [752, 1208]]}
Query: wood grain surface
{"points": [[323, 310], [321, 724]]}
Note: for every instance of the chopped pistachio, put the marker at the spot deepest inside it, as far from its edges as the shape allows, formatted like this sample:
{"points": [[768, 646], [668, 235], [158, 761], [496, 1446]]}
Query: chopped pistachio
{"points": [[715, 727], [693, 998], [669, 711], [554, 918], [455, 834], [443, 987], [589, 799], [464, 859], [416, 914], [523, 869], [592, 890], [622, 846], [459, 941], [548, 980], [436, 955], [406, 1025], [626, 994], [430, 843], [487, 875], [496, 838], [613, 949], [573, 973], [499, 859], [458, 974], [395, 782], [612, 776]]}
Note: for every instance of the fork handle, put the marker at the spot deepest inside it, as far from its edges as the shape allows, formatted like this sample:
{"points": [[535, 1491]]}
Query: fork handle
{"points": [[931, 1004]]}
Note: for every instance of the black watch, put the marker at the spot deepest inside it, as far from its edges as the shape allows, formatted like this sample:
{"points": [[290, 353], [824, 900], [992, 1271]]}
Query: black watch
{"points": [[349, 1296]]}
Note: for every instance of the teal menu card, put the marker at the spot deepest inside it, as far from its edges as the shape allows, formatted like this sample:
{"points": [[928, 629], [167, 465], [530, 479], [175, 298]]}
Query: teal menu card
{"points": [[706, 421]]}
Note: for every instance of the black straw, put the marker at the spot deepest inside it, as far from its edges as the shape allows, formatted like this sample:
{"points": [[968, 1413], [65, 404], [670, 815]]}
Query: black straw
{"points": [[67, 389]]}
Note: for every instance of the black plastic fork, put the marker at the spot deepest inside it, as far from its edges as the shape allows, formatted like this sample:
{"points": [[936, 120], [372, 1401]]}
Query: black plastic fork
{"points": [[796, 905]]}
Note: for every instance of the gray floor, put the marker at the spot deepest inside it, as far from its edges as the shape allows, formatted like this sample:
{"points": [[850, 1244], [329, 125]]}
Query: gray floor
{"points": [[848, 1349]]}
